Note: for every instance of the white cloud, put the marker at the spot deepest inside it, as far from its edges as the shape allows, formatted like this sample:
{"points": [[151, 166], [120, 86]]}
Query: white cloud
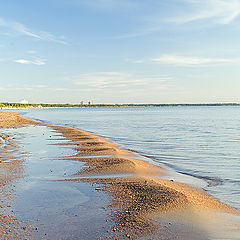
{"points": [[17, 89], [23, 88], [70, 89], [219, 11], [209, 12], [19, 28], [35, 62], [39, 62], [134, 60], [190, 61], [120, 80], [22, 61], [41, 86]]}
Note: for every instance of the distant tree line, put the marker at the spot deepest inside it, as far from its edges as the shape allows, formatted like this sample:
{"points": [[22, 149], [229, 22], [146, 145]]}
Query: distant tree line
{"points": [[17, 105], [43, 105]]}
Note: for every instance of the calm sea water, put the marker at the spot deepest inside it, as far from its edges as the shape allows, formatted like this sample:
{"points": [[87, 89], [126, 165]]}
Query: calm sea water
{"points": [[203, 142]]}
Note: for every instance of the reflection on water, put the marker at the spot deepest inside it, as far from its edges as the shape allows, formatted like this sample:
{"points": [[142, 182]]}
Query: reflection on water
{"points": [[56, 209], [203, 142]]}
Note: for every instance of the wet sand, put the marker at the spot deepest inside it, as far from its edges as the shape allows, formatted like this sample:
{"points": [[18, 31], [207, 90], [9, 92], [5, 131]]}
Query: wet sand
{"points": [[139, 205], [13, 119], [11, 169]]}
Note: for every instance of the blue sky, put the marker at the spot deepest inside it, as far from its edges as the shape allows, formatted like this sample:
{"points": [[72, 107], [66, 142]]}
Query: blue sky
{"points": [[120, 51]]}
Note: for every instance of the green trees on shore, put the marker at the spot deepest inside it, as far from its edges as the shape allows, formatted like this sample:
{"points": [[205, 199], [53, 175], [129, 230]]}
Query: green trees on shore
{"points": [[21, 105], [17, 105]]}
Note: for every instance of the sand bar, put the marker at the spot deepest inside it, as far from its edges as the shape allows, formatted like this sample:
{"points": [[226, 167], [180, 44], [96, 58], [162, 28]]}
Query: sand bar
{"points": [[142, 205]]}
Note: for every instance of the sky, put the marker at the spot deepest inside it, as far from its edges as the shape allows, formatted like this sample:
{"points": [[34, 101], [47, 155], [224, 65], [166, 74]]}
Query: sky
{"points": [[120, 51]]}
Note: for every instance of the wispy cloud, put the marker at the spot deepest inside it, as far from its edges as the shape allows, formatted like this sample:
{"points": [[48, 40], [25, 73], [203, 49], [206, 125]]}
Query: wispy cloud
{"points": [[209, 12], [23, 88], [19, 28], [41, 86], [134, 60], [35, 62], [17, 89], [191, 61], [121, 80], [218, 11]]}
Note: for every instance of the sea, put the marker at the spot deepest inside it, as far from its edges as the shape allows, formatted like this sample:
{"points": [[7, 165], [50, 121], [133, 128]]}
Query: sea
{"points": [[201, 142]]}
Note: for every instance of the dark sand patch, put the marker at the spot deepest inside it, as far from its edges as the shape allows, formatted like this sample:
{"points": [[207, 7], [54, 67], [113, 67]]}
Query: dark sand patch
{"points": [[106, 165], [133, 200]]}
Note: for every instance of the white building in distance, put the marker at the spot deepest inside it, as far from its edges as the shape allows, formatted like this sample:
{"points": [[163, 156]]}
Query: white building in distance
{"points": [[24, 101]]}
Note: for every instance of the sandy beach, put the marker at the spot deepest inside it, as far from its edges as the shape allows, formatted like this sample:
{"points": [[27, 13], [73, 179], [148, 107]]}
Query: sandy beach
{"points": [[137, 202]]}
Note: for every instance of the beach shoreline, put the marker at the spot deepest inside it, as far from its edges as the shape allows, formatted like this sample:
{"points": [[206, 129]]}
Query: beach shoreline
{"points": [[137, 195]]}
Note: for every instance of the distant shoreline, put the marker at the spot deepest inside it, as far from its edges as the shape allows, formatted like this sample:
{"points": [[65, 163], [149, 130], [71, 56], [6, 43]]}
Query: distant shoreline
{"points": [[14, 106]]}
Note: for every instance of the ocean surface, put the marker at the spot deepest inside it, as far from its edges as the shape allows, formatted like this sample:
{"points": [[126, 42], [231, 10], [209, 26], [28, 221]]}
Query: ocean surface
{"points": [[202, 142]]}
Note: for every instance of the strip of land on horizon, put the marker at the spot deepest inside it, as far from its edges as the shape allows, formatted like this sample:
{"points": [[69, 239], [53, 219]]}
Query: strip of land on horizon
{"points": [[5, 106]]}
